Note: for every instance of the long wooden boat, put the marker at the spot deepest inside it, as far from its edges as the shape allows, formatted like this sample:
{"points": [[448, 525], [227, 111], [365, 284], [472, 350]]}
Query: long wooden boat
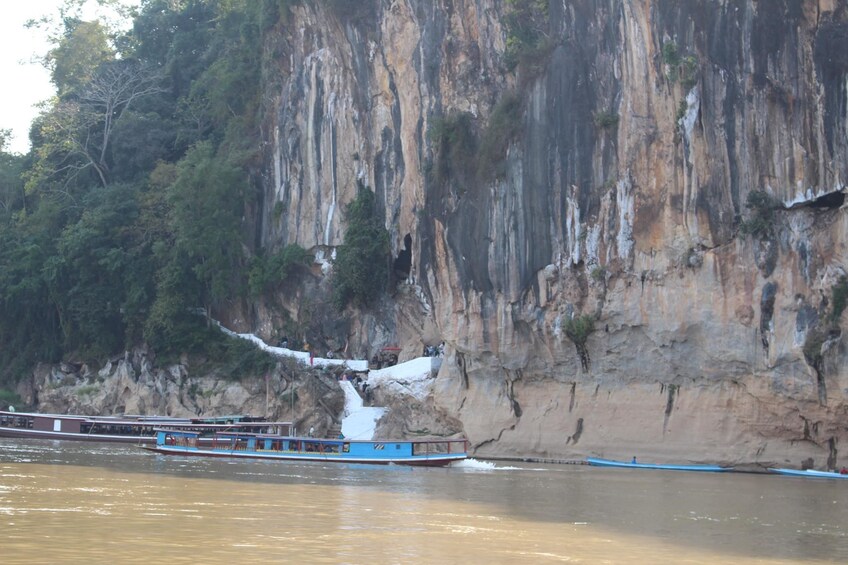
{"points": [[633, 465], [435, 453], [122, 429], [809, 473]]}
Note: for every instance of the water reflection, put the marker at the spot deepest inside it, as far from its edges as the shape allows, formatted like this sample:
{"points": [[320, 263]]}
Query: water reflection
{"points": [[65, 502]]}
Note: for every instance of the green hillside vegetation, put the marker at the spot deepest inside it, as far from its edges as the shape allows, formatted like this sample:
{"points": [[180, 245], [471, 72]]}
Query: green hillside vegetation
{"points": [[124, 222]]}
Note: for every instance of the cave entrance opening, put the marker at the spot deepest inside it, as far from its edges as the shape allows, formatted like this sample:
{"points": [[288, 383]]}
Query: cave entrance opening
{"points": [[830, 200], [403, 262]]}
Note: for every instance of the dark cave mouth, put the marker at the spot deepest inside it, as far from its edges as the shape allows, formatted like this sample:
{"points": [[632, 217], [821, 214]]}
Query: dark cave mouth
{"points": [[403, 262]]}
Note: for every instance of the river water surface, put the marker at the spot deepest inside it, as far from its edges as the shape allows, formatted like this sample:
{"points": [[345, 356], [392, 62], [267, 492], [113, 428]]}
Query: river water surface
{"points": [[97, 503]]}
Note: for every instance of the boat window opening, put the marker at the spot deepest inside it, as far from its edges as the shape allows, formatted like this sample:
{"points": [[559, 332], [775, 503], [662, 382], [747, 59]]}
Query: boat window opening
{"points": [[378, 446], [185, 441], [437, 447], [346, 448]]}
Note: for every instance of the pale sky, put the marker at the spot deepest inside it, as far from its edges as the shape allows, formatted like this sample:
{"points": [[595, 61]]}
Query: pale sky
{"points": [[25, 83]]}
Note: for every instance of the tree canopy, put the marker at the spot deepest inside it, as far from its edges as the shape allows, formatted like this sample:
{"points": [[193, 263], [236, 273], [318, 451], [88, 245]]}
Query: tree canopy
{"points": [[361, 268], [126, 218]]}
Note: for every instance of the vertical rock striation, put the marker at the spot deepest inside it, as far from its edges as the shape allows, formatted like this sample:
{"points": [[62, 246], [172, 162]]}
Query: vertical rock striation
{"points": [[635, 140]]}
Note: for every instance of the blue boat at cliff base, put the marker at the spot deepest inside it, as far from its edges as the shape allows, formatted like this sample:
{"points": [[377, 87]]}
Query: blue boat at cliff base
{"points": [[425, 452], [634, 465], [809, 473]]}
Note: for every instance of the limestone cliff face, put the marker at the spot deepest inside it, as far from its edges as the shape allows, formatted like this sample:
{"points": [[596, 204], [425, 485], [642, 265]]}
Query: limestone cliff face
{"points": [[640, 135], [133, 385]]}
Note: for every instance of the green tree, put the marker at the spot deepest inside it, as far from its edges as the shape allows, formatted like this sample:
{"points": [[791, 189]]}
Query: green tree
{"points": [[98, 277], [760, 222], [78, 54], [455, 147], [172, 326], [207, 205], [527, 37], [268, 271], [361, 268], [578, 329], [12, 196], [29, 318], [175, 37], [76, 133], [131, 221]]}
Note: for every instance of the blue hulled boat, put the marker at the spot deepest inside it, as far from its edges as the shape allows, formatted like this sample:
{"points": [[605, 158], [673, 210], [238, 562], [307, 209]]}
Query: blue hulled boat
{"points": [[809, 473], [633, 465], [286, 448]]}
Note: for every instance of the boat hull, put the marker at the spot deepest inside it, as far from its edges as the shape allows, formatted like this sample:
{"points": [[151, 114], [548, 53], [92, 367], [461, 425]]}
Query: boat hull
{"points": [[630, 465], [273, 447], [809, 473], [417, 461]]}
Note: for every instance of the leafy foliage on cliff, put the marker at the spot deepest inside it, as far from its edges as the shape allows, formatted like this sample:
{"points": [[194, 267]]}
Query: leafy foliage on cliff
{"points": [[578, 329], [463, 160], [826, 327], [126, 218], [528, 40], [760, 221], [455, 145], [840, 298], [11, 182], [361, 268], [266, 271], [680, 67], [504, 126]]}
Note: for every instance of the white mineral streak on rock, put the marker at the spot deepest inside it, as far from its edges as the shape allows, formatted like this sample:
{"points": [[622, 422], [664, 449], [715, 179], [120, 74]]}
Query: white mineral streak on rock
{"points": [[278, 164], [572, 226], [626, 202]]}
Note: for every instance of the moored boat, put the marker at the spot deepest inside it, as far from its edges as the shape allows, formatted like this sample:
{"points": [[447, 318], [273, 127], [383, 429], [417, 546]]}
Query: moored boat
{"points": [[288, 448], [809, 473], [122, 429], [634, 465]]}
